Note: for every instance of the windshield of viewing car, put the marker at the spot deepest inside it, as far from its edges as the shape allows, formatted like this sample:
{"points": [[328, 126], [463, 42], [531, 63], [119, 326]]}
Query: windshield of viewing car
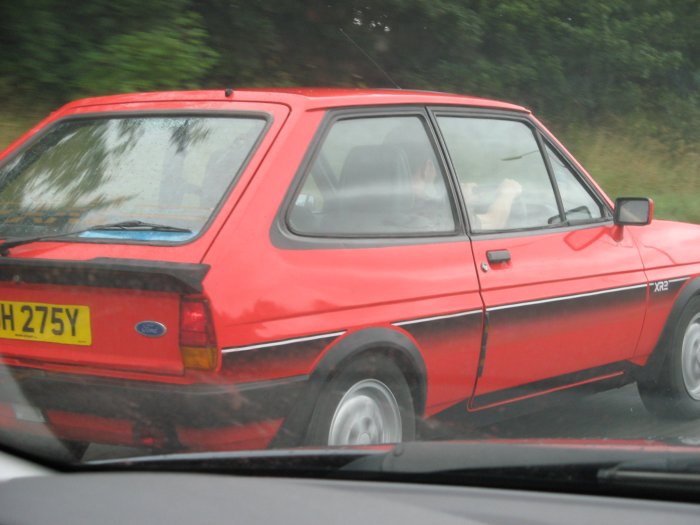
{"points": [[298, 231], [170, 170]]}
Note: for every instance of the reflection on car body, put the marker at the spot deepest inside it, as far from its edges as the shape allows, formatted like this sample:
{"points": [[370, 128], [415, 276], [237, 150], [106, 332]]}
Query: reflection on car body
{"points": [[316, 272]]}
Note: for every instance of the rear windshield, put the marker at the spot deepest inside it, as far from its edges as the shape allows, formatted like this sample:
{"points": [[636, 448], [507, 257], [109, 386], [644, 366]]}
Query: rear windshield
{"points": [[163, 170]]}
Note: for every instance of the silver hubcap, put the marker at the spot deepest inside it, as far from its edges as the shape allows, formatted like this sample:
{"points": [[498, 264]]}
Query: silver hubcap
{"points": [[368, 414], [691, 358]]}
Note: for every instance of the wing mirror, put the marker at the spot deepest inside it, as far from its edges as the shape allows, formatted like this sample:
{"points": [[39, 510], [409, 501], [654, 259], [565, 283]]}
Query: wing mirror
{"points": [[633, 211]]}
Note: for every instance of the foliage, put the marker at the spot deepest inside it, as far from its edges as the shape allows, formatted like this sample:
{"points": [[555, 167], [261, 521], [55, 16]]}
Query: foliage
{"points": [[625, 164], [166, 57], [619, 78], [569, 60], [58, 50]]}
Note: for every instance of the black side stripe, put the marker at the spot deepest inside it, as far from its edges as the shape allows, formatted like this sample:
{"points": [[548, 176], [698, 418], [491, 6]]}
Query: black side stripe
{"points": [[549, 384]]}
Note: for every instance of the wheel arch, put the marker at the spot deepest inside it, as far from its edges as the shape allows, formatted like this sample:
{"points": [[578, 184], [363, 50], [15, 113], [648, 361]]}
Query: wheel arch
{"points": [[355, 345], [660, 354]]}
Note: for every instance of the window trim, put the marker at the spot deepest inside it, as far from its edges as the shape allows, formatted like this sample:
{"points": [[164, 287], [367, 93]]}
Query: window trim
{"points": [[267, 118], [542, 140], [581, 179], [552, 178], [283, 234]]}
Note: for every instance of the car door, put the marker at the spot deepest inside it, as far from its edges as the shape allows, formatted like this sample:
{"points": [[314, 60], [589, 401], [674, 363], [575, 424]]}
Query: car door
{"points": [[563, 287]]}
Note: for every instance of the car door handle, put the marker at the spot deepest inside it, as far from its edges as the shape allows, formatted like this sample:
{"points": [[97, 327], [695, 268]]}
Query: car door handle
{"points": [[498, 256]]}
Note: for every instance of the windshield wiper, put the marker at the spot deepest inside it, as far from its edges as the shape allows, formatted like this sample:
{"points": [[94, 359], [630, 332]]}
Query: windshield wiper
{"points": [[138, 225], [679, 474], [135, 225]]}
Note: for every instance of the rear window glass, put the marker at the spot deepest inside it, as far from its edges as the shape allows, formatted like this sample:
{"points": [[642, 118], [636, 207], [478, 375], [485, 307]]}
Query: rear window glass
{"points": [[165, 170]]}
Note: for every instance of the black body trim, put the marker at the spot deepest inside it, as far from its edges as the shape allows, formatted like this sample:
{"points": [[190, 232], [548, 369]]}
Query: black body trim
{"points": [[583, 297], [552, 177], [549, 230], [536, 388], [498, 256], [483, 348], [157, 404], [306, 351], [443, 423], [280, 342], [620, 201], [161, 276]]}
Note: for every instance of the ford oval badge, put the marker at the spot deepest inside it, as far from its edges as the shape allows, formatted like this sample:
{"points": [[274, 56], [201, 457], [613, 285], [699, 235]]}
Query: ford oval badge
{"points": [[151, 328]]}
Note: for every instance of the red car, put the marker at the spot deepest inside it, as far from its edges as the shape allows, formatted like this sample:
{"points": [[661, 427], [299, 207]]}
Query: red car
{"points": [[248, 268]]}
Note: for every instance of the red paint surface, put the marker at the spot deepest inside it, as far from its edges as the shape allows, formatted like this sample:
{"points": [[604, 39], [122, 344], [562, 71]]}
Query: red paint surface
{"points": [[260, 293]]}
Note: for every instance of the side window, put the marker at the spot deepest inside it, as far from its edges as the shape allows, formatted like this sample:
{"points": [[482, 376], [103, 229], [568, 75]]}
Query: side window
{"points": [[579, 204], [502, 174], [374, 176]]}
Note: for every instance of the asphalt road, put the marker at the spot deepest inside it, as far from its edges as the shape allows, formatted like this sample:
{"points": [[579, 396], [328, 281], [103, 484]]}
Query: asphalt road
{"points": [[612, 415]]}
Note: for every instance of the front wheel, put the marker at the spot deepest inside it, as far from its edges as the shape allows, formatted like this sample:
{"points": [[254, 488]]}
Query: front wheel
{"points": [[366, 403], [675, 393]]}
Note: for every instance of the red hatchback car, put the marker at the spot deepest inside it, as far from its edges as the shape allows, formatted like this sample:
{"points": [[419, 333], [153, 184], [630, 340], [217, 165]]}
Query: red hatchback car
{"points": [[222, 270]]}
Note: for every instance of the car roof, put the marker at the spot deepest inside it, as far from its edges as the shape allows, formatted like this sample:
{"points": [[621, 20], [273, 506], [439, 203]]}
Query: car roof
{"points": [[303, 98]]}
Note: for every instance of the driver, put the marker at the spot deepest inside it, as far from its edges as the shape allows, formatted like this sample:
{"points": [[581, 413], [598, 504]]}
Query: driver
{"points": [[428, 191]]}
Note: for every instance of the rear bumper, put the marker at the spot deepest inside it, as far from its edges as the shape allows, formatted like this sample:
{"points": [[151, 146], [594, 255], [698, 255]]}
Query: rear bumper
{"points": [[122, 412]]}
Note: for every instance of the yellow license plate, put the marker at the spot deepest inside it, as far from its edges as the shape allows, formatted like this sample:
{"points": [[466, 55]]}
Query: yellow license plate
{"points": [[66, 324]]}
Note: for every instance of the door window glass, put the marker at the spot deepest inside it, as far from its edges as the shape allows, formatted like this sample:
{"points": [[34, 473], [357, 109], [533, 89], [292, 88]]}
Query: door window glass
{"points": [[501, 172], [375, 176]]}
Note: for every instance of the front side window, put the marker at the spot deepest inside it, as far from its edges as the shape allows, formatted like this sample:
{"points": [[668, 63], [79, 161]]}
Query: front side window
{"points": [[166, 170], [374, 176], [502, 174], [579, 204]]}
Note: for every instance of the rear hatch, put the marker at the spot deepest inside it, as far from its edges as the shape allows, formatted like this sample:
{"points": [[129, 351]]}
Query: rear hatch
{"points": [[104, 313], [120, 195]]}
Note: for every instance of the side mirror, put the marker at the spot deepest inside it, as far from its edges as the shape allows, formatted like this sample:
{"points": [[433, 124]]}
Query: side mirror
{"points": [[633, 211]]}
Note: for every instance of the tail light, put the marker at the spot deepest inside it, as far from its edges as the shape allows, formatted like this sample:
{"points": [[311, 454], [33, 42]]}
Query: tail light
{"points": [[197, 339]]}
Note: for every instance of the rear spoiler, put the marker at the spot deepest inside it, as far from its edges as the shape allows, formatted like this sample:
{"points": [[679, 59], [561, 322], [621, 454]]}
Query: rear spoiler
{"points": [[160, 276]]}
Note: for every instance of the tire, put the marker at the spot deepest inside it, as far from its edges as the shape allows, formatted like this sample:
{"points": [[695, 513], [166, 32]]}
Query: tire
{"points": [[368, 402], [675, 392]]}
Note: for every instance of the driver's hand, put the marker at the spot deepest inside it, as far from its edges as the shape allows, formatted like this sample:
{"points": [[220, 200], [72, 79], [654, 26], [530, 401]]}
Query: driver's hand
{"points": [[469, 190], [510, 187]]}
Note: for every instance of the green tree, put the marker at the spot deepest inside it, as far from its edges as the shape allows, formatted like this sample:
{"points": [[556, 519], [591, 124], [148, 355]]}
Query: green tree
{"points": [[578, 60], [171, 56], [60, 49]]}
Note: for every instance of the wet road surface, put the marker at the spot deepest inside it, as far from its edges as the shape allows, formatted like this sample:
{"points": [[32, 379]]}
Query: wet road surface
{"points": [[616, 414]]}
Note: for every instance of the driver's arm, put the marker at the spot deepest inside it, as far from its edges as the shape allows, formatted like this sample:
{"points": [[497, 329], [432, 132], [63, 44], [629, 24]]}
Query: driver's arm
{"points": [[496, 216]]}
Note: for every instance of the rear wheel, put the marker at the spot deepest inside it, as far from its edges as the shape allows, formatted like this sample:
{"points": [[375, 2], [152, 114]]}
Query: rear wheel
{"points": [[675, 393], [366, 403]]}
